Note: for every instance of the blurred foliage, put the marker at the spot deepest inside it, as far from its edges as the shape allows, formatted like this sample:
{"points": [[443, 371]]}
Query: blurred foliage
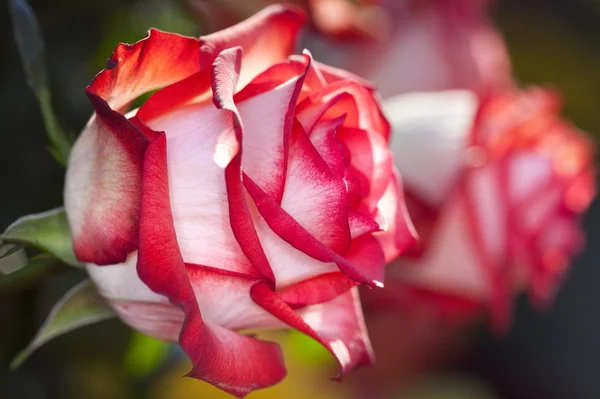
{"points": [[307, 350], [557, 44], [144, 355], [31, 48], [451, 386]]}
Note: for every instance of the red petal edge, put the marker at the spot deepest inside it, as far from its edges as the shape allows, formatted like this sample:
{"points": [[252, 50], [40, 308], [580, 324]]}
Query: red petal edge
{"points": [[110, 182], [225, 72], [316, 290], [158, 60], [266, 38], [338, 325]]}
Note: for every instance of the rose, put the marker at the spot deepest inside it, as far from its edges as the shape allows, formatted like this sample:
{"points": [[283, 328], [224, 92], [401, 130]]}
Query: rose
{"points": [[498, 209], [433, 45], [439, 45], [255, 189]]}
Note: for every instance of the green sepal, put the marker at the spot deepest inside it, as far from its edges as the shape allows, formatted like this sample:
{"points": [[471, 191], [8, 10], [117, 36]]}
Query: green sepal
{"points": [[80, 306], [48, 231]]}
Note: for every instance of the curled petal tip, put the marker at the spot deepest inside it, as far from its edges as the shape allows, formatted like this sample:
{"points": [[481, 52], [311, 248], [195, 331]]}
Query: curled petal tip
{"points": [[375, 283], [307, 53]]}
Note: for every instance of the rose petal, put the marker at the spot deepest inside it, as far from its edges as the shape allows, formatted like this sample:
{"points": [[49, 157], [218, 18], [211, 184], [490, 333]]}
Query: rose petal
{"points": [[323, 138], [198, 186], [361, 224], [193, 89], [431, 126], [121, 281], [225, 74], [110, 183], [148, 132], [366, 115], [289, 230], [450, 263], [162, 321], [233, 362], [224, 299], [156, 61], [266, 38], [319, 289], [309, 112], [338, 324], [274, 76], [102, 188], [332, 74], [315, 197], [267, 120]]}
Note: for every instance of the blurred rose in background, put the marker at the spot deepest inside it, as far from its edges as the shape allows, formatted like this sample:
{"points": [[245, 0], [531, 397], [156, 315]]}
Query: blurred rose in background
{"points": [[399, 45], [435, 45], [336, 19], [496, 189], [499, 209]]}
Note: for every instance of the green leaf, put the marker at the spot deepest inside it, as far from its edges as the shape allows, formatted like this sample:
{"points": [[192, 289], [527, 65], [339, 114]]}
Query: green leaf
{"points": [[48, 231], [12, 258], [10, 249], [306, 349], [81, 306], [30, 44]]}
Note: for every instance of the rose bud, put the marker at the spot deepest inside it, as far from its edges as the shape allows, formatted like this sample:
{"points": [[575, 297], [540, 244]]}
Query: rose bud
{"points": [[255, 189], [496, 188]]}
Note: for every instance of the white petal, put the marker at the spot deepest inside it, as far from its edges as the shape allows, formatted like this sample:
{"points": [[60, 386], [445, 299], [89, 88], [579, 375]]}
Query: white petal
{"points": [[122, 282], [198, 189], [430, 134]]}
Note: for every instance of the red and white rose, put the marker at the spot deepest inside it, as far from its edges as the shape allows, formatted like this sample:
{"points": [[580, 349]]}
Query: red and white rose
{"points": [[254, 189], [496, 188]]}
